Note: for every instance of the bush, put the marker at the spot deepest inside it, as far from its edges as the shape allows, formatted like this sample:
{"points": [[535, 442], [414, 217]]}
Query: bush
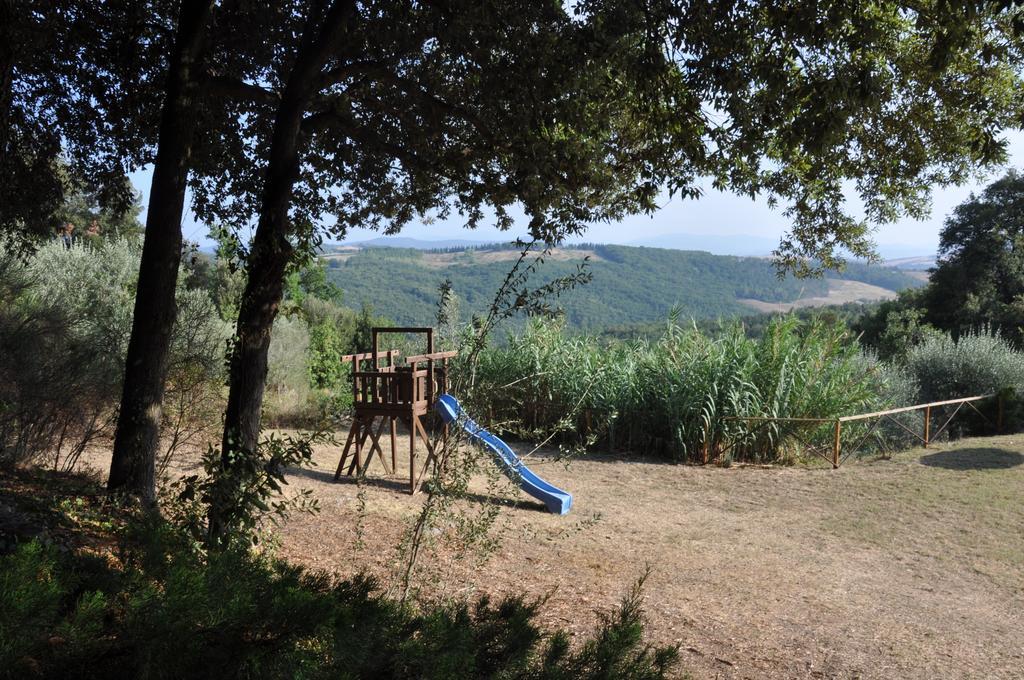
{"points": [[63, 335], [977, 363], [287, 392], [171, 612]]}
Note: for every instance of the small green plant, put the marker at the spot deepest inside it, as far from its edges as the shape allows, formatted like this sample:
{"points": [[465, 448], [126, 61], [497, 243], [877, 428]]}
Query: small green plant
{"points": [[237, 495]]}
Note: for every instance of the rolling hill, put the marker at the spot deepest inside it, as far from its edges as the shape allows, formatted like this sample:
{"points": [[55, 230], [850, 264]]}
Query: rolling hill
{"points": [[630, 284]]}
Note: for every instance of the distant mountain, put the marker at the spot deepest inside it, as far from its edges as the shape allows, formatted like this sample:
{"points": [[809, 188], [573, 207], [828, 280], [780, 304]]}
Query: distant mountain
{"points": [[921, 263], [403, 242], [630, 285], [750, 245], [716, 244], [903, 256]]}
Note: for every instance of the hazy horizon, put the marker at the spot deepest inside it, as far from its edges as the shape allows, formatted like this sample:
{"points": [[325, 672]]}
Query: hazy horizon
{"points": [[749, 223]]}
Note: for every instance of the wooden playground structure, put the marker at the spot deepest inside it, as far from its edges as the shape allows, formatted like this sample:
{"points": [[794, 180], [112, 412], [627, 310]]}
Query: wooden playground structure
{"points": [[386, 390]]}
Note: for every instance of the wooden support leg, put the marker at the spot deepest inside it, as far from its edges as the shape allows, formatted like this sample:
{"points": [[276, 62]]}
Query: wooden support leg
{"points": [[359, 446], [425, 437], [357, 459], [417, 428], [412, 457], [353, 432], [394, 445], [376, 448]]}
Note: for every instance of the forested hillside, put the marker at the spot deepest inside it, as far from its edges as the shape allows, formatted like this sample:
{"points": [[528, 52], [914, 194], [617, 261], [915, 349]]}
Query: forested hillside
{"points": [[630, 285]]}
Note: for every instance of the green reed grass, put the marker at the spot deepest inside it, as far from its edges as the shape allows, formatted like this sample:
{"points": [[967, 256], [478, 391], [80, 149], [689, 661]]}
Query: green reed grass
{"points": [[672, 396]]}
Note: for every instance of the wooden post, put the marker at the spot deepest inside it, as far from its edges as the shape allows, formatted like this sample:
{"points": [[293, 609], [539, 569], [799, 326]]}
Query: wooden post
{"points": [[412, 455], [394, 445], [707, 454], [999, 413], [927, 425], [373, 334], [836, 445], [359, 445]]}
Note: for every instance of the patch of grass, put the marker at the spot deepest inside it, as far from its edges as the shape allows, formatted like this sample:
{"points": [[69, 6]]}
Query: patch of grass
{"points": [[968, 508]]}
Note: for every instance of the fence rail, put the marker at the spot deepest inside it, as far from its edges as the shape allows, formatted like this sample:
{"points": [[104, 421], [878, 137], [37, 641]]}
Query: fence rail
{"points": [[836, 455]]}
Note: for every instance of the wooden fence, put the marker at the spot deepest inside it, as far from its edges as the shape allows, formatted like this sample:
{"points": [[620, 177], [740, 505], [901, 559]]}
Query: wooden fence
{"points": [[836, 454]]}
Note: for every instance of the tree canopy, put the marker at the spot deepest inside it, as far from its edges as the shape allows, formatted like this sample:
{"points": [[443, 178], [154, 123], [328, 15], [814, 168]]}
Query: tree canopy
{"points": [[979, 278]]}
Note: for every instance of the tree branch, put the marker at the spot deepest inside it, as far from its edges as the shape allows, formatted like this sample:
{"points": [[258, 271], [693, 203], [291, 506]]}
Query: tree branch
{"points": [[232, 88], [339, 74]]}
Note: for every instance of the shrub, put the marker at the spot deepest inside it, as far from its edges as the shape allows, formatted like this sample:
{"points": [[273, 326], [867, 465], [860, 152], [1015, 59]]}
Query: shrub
{"points": [[326, 347], [63, 335], [976, 363], [56, 385], [170, 612], [287, 391]]}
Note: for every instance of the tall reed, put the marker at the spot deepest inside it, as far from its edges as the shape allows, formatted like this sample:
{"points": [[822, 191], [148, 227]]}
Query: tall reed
{"points": [[679, 394]]}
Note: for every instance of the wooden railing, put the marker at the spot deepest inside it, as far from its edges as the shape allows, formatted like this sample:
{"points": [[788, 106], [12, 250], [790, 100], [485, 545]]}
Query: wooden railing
{"points": [[414, 385], [394, 387], [835, 453]]}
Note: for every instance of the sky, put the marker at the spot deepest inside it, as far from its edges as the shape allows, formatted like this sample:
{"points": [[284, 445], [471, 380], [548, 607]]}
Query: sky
{"points": [[714, 213]]}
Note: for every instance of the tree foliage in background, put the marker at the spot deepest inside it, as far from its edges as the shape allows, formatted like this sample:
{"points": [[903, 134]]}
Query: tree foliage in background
{"points": [[979, 278], [628, 285], [64, 331], [977, 283], [79, 103]]}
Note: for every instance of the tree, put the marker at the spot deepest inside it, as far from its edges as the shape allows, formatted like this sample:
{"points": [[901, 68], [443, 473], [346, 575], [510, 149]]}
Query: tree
{"points": [[382, 112], [38, 45], [132, 466], [979, 278], [977, 283], [90, 91]]}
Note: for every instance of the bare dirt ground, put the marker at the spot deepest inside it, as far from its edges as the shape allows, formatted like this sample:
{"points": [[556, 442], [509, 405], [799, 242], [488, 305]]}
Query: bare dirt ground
{"points": [[905, 568], [909, 567], [839, 292]]}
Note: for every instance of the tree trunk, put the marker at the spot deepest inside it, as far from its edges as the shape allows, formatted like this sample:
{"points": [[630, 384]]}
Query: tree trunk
{"points": [[132, 468], [269, 256]]}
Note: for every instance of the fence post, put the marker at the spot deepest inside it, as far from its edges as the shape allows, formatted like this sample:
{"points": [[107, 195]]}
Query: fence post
{"points": [[927, 425], [999, 412], [835, 444]]}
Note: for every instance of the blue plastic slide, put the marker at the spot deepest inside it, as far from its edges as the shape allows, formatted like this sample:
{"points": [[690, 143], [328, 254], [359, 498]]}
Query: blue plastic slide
{"points": [[554, 498]]}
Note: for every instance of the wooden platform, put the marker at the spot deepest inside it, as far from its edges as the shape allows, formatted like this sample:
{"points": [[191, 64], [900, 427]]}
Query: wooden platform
{"points": [[397, 391]]}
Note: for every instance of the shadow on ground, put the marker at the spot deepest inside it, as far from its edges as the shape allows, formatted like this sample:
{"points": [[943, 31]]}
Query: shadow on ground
{"points": [[402, 486], [974, 459]]}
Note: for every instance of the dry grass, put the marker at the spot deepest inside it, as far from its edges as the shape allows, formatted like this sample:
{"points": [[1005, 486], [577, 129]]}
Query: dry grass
{"points": [[839, 292], [443, 260], [909, 567], [472, 257], [905, 568]]}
